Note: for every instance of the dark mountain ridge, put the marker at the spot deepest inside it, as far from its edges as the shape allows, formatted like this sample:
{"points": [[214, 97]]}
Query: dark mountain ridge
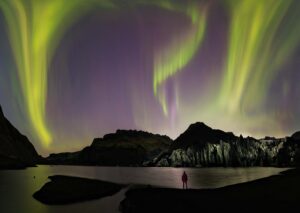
{"points": [[198, 146], [16, 151], [199, 134], [122, 148], [201, 146]]}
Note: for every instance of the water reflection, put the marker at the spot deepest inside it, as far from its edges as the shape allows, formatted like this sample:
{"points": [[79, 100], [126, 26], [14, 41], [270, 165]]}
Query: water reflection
{"points": [[17, 187]]}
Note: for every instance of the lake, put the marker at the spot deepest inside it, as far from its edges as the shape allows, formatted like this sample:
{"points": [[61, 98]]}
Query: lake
{"points": [[17, 186]]}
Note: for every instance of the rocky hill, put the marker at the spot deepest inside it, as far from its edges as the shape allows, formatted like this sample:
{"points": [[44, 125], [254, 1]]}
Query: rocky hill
{"points": [[16, 151], [123, 148], [198, 146], [202, 146]]}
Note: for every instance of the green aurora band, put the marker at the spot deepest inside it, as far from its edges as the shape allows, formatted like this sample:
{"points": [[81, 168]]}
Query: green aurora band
{"points": [[35, 28], [180, 51], [256, 50], [33, 46]]}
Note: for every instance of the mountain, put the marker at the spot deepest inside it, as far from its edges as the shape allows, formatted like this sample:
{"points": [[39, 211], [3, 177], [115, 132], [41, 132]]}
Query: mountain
{"points": [[198, 146], [198, 134], [16, 151], [122, 148], [202, 146]]}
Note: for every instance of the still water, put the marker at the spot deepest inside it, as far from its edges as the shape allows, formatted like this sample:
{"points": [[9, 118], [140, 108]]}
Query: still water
{"points": [[17, 186]]}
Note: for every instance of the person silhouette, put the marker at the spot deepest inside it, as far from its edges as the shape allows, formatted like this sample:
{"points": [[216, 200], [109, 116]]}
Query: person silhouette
{"points": [[184, 179]]}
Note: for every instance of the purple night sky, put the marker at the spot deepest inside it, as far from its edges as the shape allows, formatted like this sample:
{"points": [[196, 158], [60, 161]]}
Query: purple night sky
{"points": [[100, 77]]}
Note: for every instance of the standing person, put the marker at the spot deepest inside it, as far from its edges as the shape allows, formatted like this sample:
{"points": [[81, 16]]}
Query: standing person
{"points": [[184, 179]]}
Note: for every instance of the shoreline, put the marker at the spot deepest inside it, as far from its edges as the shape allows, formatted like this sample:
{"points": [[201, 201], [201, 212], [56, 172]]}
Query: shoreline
{"points": [[172, 195], [179, 167], [69, 189], [271, 193]]}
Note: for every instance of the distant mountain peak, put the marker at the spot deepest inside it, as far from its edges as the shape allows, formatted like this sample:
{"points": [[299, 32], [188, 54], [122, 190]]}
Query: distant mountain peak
{"points": [[199, 125], [199, 133], [124, 147], [133, 133], [296, 136]]}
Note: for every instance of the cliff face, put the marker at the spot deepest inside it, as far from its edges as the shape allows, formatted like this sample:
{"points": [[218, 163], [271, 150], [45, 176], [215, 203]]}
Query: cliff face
{"points": [[201, 146], [198, 134], [123, 148], [198, 146], [15, 149]]}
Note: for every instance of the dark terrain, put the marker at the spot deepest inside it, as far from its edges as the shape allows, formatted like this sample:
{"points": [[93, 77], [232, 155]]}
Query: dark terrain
{"points": [[198, 146], [123, 148], [16, 151], [202, 146], [65, 189], [272, 194]]}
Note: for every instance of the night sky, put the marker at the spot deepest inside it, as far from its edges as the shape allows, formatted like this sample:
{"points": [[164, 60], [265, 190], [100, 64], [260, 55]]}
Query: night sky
{"points": [[71, 71]]}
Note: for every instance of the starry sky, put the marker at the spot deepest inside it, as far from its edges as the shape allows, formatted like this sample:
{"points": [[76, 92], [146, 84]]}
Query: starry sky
{"points": [[71, 71]]}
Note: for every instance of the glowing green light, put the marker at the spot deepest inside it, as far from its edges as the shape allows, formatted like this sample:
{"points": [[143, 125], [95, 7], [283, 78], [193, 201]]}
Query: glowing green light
{"points": [[178, 54], [254, 52]]}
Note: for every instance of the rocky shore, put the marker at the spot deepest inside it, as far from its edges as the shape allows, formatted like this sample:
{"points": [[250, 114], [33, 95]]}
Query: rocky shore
{"points": [[279, 192], [66, 189]]}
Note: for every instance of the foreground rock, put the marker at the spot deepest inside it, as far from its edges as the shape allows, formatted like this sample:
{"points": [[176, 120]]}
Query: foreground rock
{"points": [[280, 192], [16, 151], [123, 148], [65, 189]]}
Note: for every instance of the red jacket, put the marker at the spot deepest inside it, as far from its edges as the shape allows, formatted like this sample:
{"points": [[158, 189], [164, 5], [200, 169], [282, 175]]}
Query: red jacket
{"points": [[184, 177]]}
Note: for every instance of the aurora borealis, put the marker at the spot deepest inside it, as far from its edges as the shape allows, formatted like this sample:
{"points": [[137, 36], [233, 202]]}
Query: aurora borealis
{"points": [[72, 71]]}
